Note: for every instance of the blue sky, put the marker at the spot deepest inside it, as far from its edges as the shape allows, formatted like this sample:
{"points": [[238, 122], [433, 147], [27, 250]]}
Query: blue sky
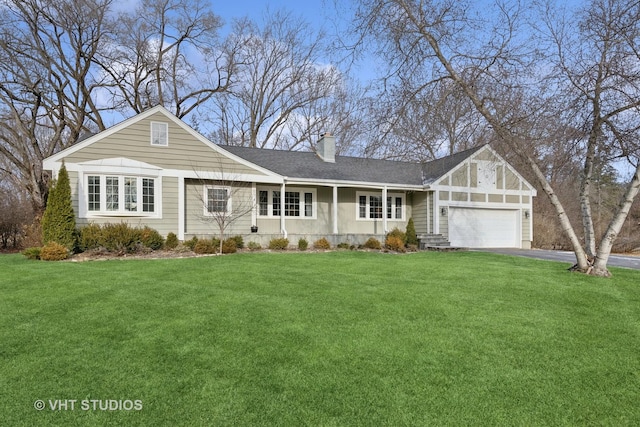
{"points": [[313, 11]]}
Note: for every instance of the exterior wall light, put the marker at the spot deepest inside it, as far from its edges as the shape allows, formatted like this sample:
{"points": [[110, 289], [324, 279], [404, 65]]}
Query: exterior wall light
{"points": [[443, 211]]}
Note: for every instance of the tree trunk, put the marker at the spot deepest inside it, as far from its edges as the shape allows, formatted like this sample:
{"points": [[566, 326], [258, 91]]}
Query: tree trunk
{"points": [[604, 249]]}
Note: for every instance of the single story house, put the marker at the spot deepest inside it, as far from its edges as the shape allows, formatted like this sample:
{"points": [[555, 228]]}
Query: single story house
{"points": [[153, 169]]}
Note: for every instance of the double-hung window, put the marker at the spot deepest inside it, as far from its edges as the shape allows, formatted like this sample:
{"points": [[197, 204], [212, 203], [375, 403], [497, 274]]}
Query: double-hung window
{"points": [[369, 206], [298, 202], [120, 195], [159, 134], [218, 200]]}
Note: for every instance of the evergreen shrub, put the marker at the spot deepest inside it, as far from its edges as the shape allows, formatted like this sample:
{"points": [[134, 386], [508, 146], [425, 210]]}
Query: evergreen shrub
{"points": [[322, 243], [53, 251], [279, 244], [172, 241], [59, 221], [372, 243]]}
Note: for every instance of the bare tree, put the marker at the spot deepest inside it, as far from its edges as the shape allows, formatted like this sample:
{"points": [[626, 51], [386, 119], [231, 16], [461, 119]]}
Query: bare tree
{"points": [[168, 53], [224, 200], [498, 71], [280, 80], [47, 84]]}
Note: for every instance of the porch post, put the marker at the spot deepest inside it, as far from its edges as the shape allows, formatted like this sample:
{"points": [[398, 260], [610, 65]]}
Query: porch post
{"points": [[181, 208], [254, 211], [283, 229], [335, 209], [384, 209]]}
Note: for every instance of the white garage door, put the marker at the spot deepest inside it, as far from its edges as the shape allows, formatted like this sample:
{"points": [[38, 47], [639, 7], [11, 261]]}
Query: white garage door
{"points": [[483, 228]]}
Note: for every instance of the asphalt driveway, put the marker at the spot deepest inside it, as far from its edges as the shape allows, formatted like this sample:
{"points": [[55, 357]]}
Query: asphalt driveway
{"points": [[624, 261]]}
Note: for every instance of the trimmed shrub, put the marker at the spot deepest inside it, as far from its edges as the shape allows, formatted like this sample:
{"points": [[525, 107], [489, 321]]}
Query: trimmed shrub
{"points": [[254, 246], [191, 243], [397, 233], [89, 237], [32, 253], [322, 243], [372, 243], [279, 244], [59, 221], [172, 241], [206, 246], [411, 238], [343, 245], [151, 239], [394, 243], [303, 244], [239, 241], [120, 238], [229, 246], [53, 251]]}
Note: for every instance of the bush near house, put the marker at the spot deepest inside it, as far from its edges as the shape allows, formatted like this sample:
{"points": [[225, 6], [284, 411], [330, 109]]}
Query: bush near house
{"points": [[229, 246], [172, 241], [394, 243], [397, 233], [303, 244], [411, 238], [191, 243], [254, 246], [151, 239], [279, 244], [206, 246], [372, 243], [322, 243], [53, 251], [239, 241], [32, 253], [58, 221]]}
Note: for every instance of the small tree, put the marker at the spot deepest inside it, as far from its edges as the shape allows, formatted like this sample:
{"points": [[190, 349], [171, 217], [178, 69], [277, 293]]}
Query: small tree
{"points": [[411, 237], [225, 200], [59, 221]]}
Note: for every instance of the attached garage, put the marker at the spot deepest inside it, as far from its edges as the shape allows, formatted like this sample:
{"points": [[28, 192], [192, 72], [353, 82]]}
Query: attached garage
{"points": [[484, 228]]}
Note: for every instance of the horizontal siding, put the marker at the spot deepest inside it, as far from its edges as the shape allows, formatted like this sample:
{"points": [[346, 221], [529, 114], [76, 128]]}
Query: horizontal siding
{"points": [[419, 212], [198, 224], [184, 151]]}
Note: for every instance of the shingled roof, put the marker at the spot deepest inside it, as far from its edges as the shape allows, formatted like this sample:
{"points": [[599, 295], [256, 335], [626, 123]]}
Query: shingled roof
{"points": [[307, 165]]}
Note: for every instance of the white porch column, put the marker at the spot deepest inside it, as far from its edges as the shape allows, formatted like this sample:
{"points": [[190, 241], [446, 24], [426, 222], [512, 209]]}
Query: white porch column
{"points": [[181, 207], [283, 228], [384, 210], [436, 212], [335, 209]]}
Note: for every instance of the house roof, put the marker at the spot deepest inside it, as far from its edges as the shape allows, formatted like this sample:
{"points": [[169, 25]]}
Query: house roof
{"points": [[434, 169], [307, 165]]}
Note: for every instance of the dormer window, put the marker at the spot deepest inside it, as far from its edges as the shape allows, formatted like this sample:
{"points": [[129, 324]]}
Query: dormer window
{"points": [[159, 134]]}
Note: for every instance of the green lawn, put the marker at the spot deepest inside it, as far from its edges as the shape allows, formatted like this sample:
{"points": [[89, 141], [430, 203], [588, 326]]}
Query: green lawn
{"points": [[338, 338]]}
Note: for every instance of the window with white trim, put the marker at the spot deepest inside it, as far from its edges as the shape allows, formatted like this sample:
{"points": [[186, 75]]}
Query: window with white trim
{"points": [[217, 200], [121, 194], [159, 134], [369, 206], [298, 203]]}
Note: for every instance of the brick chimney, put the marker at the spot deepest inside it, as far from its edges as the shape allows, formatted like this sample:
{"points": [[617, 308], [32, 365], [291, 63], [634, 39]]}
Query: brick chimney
{"points": [[326, 147]]}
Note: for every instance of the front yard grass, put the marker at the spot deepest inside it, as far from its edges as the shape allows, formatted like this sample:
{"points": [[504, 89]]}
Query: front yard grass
{"points": [[337, 338]]}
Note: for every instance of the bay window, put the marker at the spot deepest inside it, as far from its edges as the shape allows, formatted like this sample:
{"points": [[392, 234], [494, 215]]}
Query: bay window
{"points": [[119, 195]]}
